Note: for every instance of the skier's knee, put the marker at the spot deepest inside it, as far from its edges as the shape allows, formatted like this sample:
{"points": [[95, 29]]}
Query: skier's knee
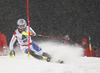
{"points": [[32, 53]]}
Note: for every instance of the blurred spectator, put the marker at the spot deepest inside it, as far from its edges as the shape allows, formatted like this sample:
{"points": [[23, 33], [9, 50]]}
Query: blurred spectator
{"points": [[3, 44], [86, 47], [68, 40]]}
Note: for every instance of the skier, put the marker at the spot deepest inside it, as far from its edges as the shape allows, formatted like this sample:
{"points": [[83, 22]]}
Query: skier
{"points": [[3, 44], [21, 35]]}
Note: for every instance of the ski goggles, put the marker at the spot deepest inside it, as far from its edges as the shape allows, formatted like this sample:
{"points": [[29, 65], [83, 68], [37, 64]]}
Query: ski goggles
{"points": [[22, 26]]}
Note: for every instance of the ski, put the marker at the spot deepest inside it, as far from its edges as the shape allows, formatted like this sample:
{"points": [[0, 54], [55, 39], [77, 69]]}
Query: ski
{"points": [[48, 60], [60, 61]]}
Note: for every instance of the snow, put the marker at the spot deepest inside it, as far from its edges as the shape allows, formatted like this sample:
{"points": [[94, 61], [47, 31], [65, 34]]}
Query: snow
{"points": [[72, 56]]}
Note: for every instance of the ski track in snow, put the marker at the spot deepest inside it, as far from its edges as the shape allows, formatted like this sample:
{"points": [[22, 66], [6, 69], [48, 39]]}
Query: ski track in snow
{"points": [[72, 56]]}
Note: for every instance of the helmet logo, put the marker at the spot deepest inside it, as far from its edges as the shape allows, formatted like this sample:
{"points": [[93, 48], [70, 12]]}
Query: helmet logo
{"points": [[21, 22]]}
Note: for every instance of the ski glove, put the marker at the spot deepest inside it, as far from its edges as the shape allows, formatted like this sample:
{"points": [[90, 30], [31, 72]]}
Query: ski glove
{"points": [[12, 53], [26, 33]]}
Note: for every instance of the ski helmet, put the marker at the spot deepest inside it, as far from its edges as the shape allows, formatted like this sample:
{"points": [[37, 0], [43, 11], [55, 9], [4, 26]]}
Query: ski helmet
{"points": [[84, 40], [21, 23]]}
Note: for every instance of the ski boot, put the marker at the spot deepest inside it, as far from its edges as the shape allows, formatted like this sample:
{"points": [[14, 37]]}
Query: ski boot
{"points": [[35, 55], [60, 61], [46, 57]]}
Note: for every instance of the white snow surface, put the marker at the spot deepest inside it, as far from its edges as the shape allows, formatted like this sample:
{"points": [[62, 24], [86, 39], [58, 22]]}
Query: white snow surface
{"points": [[71, 55]]}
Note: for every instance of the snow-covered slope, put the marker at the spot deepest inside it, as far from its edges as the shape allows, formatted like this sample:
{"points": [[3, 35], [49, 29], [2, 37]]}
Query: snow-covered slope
{"points": [[73, 61]]}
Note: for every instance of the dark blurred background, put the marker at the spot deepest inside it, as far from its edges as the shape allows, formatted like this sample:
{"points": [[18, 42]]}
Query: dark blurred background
{"points": [[76, 18]]}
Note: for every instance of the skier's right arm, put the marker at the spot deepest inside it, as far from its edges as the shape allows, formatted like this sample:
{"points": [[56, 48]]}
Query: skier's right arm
{"points": [[11, 45]]}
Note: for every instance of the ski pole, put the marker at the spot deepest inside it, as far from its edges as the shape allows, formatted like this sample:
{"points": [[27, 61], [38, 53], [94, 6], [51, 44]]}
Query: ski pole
{"points": [[54, 37], [90, 46]]}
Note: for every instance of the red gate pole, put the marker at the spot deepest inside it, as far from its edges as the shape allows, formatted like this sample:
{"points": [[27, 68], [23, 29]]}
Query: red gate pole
{"points": [[28, 28]]}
